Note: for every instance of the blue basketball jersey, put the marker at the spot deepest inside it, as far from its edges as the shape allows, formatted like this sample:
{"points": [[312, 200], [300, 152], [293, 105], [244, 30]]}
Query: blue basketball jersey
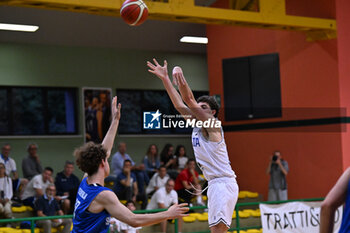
{"points": [[83, 220], [345, 225]]}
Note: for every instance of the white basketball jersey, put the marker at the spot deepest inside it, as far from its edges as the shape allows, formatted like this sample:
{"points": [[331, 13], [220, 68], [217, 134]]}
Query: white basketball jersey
{"points": [[211, 157]]}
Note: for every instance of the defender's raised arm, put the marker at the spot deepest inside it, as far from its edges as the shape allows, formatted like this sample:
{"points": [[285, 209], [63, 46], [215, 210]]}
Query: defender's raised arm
{"points": [[110, 136]]}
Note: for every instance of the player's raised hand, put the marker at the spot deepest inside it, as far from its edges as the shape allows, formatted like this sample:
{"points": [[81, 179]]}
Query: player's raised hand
{"points": [[178, 76], [116, 109], [160, 71], [178, 210]]}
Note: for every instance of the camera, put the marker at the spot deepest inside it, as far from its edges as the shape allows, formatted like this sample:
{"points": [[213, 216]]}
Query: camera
{"points": [[2, 194], [274, 158]]}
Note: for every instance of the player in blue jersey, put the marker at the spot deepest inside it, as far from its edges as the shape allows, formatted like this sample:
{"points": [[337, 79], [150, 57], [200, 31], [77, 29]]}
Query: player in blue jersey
{"points": [[339, 195], [95, 204]]}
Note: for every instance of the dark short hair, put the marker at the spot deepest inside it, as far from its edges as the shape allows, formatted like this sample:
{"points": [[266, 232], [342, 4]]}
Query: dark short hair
{"points": [[210, 100], [89, 157], [190, 160], [130, 201], [69, 163], [127, 161], [162, 167], [48, 169]]}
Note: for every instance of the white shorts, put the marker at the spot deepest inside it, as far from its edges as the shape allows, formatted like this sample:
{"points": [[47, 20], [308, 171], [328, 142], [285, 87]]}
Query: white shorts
{"points": [[222, 198]]}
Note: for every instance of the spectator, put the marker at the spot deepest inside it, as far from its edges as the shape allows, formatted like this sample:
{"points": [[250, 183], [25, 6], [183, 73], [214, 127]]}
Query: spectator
{"points": [[187, 184], [158, 181], [5, 193], [337, 196], [67, 185], [278, 170], [37, 186], [123, 227], [126, 185], [118, 159], [31, 165], [46, 205], [168, 159], [151, 160], [163, 198], [139, 171], [181, 156], [11, 170]]}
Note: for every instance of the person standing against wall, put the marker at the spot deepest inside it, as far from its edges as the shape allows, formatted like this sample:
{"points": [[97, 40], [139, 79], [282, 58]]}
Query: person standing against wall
{"points": [[278, 169]]}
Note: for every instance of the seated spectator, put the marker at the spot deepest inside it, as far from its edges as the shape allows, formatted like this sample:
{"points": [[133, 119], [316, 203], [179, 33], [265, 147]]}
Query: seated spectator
{"points": [[187, 184], [117, 226], [151, 160], [117, 165], [46, 205], [181, 156], [18, 184], [31, 165], [168, 159], [67, 185], [126, 185], [158, 181], [5, 193], [37, 186], [163, 198]]}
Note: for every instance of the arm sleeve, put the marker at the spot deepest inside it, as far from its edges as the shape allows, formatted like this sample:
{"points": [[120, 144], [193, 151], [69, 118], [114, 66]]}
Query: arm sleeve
{"points": [[8, 191], [38, 205], [159, 197], [151, 185], [39, 168], [58, 185], [57, 206], [37, 184], [286, 166]]}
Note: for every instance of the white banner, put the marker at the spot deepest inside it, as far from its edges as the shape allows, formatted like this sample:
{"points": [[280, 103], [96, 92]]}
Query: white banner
{"points": [[295, 217]]}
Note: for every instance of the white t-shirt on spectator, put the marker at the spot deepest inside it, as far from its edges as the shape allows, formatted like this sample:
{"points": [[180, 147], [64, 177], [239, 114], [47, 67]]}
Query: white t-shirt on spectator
{"points": [[35, 183], [156, 181], [118, 226], [6, 187], [162, 197], [10, 165], [182, 162]]}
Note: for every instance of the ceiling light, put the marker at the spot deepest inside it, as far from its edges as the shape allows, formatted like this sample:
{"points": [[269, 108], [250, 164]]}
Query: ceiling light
{"points": [[194, 39], [18, 27]]}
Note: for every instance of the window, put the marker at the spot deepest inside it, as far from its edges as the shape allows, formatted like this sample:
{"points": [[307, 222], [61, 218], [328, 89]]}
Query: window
{"points": [[38, 111]]}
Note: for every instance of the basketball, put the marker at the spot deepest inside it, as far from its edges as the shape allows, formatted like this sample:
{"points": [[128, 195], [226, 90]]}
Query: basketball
{"points": [[134, 12]]}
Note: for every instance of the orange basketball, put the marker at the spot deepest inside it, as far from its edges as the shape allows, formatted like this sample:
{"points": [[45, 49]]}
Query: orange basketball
{"points": [[134, 12]]}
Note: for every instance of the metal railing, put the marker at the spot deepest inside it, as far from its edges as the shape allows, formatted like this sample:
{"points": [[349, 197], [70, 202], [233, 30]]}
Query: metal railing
{"points": [[237, 228]]}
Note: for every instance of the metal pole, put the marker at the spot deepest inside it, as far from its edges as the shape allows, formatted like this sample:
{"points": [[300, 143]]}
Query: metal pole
{"points": [[237, 218], [176, 226], [32, 226]]}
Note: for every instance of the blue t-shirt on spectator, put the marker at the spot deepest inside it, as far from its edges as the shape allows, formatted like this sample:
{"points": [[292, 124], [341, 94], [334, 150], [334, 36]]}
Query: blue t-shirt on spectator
{"points": [[118, 186], [118, 162], [48, 207]]}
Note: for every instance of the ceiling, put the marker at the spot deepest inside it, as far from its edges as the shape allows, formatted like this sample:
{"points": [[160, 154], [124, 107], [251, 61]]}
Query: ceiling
{"points": [[79, 29]]}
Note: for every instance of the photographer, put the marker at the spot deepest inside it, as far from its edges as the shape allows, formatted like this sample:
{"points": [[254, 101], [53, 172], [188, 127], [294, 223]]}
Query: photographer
{"points": [[278, 170]]}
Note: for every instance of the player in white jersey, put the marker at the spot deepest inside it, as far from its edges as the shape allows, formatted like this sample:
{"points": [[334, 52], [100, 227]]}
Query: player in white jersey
{"points": [[208, 144]]}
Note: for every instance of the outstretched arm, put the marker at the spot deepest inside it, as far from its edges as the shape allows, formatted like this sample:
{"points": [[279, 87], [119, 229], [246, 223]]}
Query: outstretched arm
{"points": [[187, 95], [108, 140], [333, 200], [113, 206], [162, 73]]}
